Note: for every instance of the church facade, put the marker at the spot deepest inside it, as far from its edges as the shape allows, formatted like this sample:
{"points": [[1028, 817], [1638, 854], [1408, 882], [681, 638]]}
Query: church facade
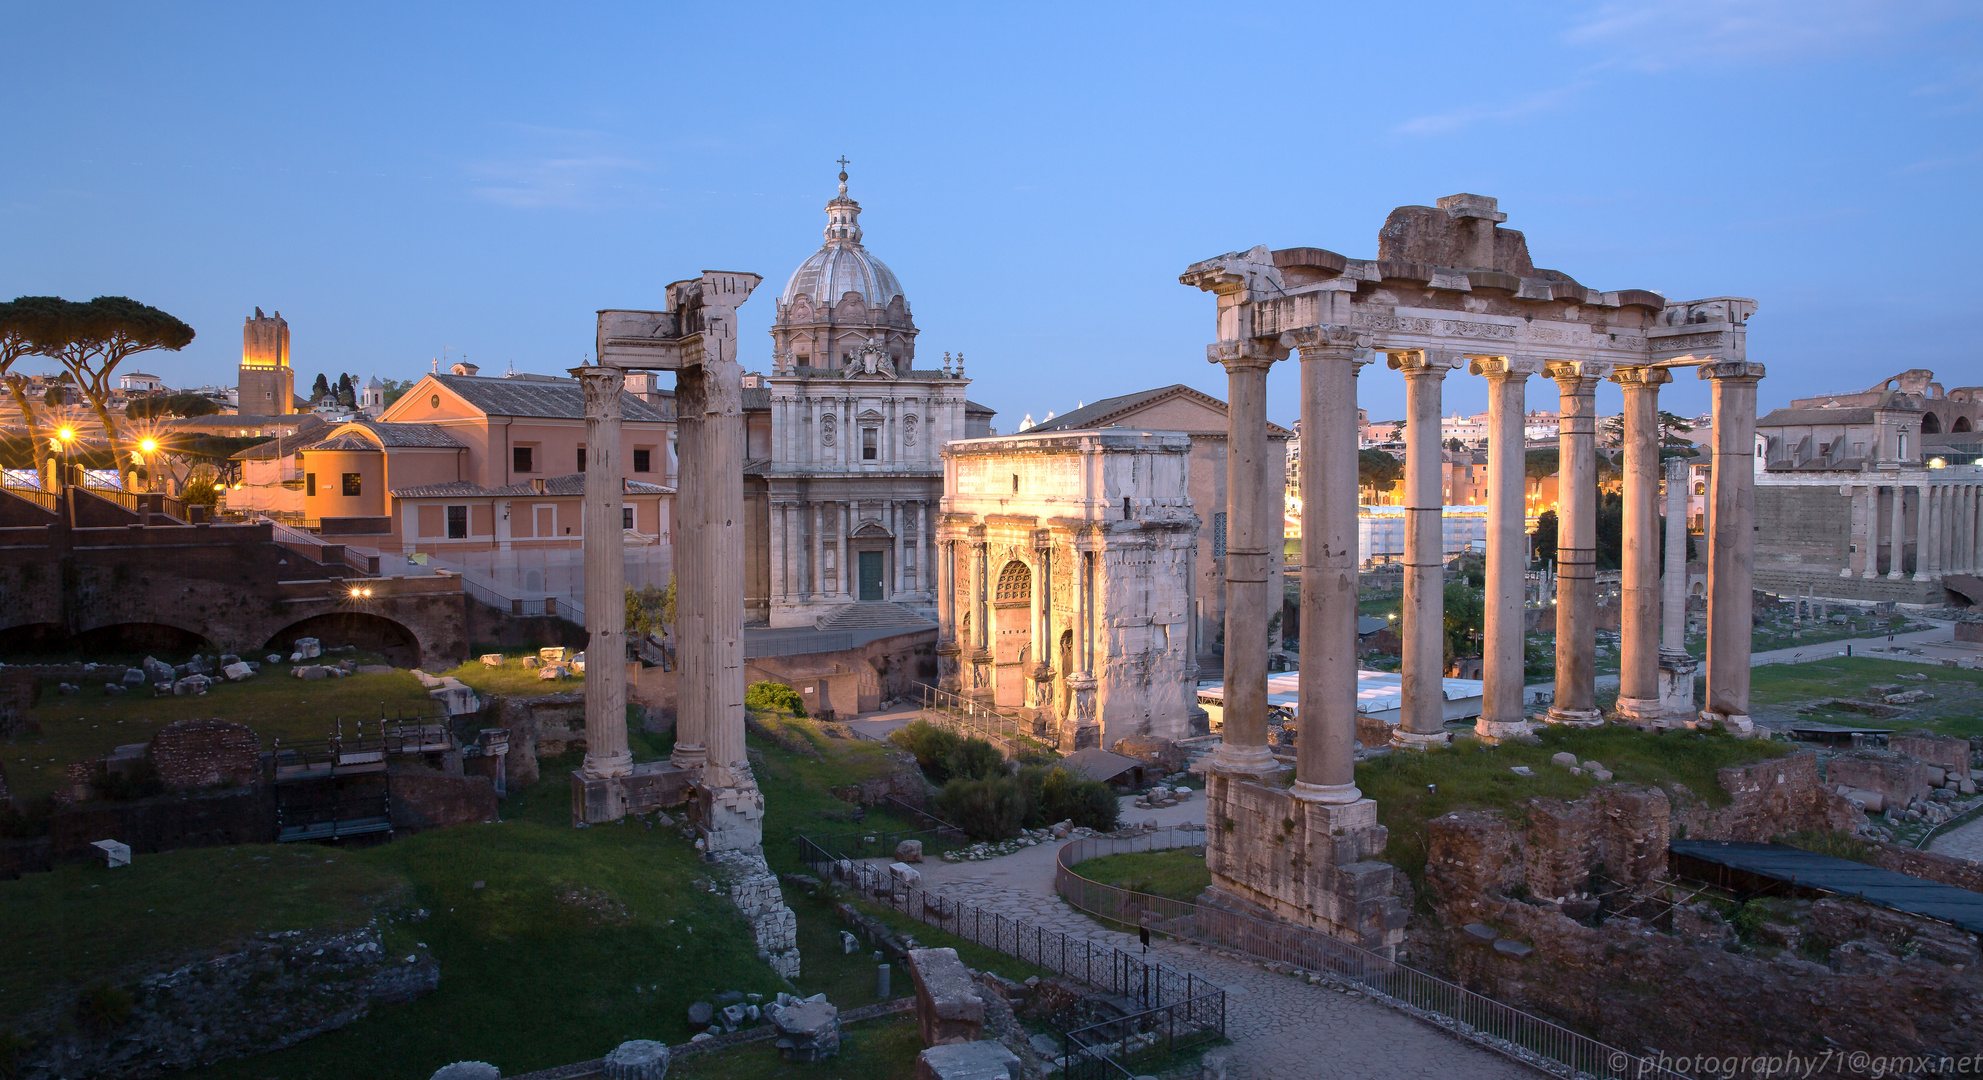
{"points": [[844, 441]]}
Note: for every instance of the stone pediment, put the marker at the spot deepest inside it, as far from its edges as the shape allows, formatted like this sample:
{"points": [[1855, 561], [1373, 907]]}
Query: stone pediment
{"points": [[871, 530], [870, 417]]}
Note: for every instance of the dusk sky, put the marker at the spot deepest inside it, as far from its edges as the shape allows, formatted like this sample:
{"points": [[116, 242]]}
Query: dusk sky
{"points": [[409, 182]]}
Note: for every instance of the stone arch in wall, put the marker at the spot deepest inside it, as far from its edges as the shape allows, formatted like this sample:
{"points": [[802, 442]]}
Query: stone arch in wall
{"points": [[1961, 424], [1011, 631], [1931, 424], [372, 633]]}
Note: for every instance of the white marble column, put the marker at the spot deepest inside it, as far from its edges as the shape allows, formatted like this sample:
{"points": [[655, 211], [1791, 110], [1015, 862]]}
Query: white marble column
{"points": [[1862, 527], [691, 582], [1897, 546], [1422, 622], [1673, 594], [1325, 766], [1576, 543], [1502, 655], [1731, 543], [1872, 552], [606, 753], [1243, 749], [723, 531], [1928, 527], [1638, 669]]}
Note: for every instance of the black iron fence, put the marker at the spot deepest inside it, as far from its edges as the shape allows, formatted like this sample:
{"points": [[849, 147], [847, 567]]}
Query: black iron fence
{"points": [[1539, 1042], [1178, 1010]]}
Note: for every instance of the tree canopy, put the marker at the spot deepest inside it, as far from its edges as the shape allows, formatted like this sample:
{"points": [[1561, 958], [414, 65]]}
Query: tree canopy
{"points": [[171, 405], [91, 339], [1377, 470]]}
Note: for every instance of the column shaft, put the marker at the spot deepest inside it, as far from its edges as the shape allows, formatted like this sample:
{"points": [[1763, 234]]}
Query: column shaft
{"points": [[1897, 543], [1673, 595], [691, 579], [1732, 542], [723, 545], [1638, 670], [1576, 546], [1928, 529], [1502, 657], [1243, 750], [606, 753], [1422, 623], [1325, 767]]}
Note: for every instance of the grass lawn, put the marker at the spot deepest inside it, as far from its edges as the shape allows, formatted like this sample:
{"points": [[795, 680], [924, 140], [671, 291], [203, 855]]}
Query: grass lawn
{"points": [[82, 923], [1178, 873], [1471, 775], [882, 1049], [1777, 691], [513, 679], [274, 704], [576, 941]]}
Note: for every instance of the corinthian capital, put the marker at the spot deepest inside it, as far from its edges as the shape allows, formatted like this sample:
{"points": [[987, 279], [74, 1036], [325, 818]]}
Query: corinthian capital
{"points": [[1251, 271], [1245, 353], [1504, 367], [1423, 361], [1577, 370], [1325, 338], [1642, 376], [1732, 369]]}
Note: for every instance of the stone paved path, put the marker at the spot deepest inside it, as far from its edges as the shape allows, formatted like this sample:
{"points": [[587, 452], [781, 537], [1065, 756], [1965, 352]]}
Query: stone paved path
{"points": [[1963, 842], [1281, 1028]]}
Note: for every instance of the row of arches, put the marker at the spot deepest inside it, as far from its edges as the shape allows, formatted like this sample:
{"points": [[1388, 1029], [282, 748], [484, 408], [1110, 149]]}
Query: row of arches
{"points": [[369, 632]]}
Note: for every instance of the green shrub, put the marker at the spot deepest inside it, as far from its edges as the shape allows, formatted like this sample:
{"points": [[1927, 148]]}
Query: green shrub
{"points": [[993, 809], [1065, 797], [930, 745], [775, 697], [975, 759]]}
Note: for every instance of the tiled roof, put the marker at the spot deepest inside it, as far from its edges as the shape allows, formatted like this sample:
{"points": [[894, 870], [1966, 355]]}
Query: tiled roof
{"points": [[1101, 413], [1799, 417], [352, 435], [550, 398]]}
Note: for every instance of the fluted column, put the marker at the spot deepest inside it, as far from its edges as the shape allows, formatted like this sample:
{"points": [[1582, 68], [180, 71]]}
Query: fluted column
{"points": [[1731, 542], [606, 753], [1928, 534], [723, 545], [1243, 750], [1897, 545], [1576, 543], [1422, 622], [691, 558], [1502, 656], [1638, 669], [1673, 595], [1325, 766], [1872, 552]]}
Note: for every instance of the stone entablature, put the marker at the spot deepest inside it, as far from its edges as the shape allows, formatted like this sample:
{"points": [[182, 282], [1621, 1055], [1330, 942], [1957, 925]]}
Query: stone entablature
{"points": [[1104, 518]]}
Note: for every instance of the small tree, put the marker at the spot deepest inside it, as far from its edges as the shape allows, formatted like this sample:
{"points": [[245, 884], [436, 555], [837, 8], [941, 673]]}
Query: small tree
{"points": [[320, 389], [1544, 537], [395, 388], [91, 339], [1377, 470]]}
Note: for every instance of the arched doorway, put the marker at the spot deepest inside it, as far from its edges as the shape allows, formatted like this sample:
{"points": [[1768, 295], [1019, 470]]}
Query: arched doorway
{"points": [[1012, 632], [118, 641], [1961, 424], [1931, 424], [369, 632]]}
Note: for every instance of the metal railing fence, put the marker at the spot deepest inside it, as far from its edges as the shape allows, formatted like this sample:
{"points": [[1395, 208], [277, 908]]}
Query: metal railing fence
{"points": [[989, 722], [1547, 1045], [1189, 1006]]}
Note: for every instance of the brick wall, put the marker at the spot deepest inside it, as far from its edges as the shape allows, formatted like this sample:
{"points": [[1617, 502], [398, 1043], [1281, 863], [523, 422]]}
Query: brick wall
{"points": [[166, 822], [424, 799], [206, 753]]}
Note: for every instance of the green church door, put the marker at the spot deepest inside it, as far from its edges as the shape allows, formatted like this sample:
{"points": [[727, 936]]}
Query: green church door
{"points": [[870, 575]]}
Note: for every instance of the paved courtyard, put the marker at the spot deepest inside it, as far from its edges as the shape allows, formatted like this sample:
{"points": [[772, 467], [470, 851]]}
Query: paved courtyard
{"points": [[1963, 842], [1279, 1025]]}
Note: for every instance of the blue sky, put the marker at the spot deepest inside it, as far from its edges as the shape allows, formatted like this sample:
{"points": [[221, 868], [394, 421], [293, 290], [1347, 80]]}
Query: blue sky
{"points": [[410, 181]]}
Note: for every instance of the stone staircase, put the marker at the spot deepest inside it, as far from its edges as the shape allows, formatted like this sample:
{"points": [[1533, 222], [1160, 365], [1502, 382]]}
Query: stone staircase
{"points": [[871, 615]]}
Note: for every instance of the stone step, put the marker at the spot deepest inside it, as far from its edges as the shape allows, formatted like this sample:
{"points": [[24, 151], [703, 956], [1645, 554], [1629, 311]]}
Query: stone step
{"points": [[870, 615]]}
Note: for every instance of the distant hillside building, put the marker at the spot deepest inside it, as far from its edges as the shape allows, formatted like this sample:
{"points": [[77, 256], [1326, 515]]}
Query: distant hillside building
{"points": [[267, 386], [1873, 496]]}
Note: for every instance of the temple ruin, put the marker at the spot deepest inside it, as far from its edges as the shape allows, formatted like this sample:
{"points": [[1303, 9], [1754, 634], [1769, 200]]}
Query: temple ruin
{"points": [[1449, 288]]}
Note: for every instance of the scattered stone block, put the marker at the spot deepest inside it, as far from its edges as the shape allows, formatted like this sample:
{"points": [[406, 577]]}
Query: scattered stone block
{"points": [[1521, 770], [701, 1014], [808, 1030], [1515, 949], [115, 852], [532, 662], [311, 672], [158, 671], [909, 851], [640, 1059], [191, 685], [308, 647], [494, 659], [113, 689], [134, 677], [551, 654], [1565, 759], [735, 1015], [1481, 933], [984, 1060], [272, 659], [468, 1070], [237, 671], [905, 875], [1601, 774], [948, 1009], [849, 944]]}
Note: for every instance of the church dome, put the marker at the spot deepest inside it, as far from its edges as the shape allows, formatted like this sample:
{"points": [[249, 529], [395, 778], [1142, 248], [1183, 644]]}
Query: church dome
{"points": [[842, 265]]}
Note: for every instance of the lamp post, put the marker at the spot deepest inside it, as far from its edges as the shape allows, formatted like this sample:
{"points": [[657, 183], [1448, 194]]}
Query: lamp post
{"points": [[147, 456]]}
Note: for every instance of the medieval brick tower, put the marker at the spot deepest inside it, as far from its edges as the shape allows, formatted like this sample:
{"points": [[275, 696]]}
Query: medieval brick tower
{"points": [[267, 387]]}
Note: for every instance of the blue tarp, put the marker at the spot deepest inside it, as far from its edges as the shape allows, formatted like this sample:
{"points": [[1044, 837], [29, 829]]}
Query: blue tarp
{"points": [[1810, 870]]}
